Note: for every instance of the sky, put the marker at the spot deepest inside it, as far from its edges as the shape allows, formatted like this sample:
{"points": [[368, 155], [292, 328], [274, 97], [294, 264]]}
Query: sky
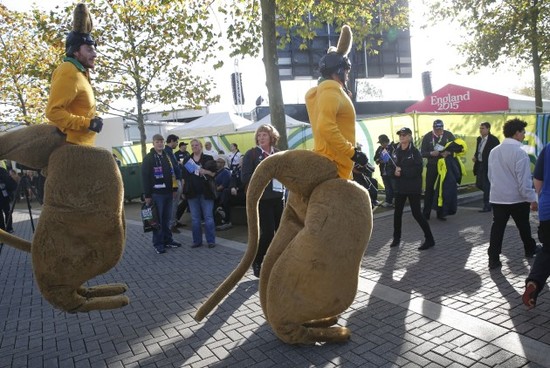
{"points": [[431, 50]]}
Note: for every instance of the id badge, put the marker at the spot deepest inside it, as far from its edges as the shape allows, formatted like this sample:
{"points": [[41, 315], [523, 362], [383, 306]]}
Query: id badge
{"points": [[277, 186], [157, 171], [439, 147]]}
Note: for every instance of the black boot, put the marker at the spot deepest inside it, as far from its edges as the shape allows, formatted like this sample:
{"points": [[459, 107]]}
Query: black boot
{"points": [[395, 242], [428, 243]]}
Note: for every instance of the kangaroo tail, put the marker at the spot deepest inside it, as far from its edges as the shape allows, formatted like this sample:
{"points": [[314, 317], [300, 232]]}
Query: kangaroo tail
{"points": [[15, 241], [260, 179]]}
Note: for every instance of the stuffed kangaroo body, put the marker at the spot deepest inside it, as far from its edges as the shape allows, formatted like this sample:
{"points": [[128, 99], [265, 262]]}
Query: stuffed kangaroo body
{"points": [[81, 230], [311, 270]]}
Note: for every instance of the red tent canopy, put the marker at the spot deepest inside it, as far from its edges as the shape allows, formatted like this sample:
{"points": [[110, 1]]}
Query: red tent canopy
{"points": [[453, 98]]}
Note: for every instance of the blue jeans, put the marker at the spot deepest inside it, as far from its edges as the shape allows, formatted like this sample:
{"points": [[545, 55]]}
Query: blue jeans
{"points": [[389, 185], [201, 207], [163, 236]]}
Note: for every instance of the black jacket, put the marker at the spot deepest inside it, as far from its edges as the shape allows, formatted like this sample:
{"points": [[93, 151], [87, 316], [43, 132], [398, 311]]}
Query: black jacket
{"points": [[251, 160], [386, 168], [429, 142], [195, 185], [410, 161], [151, 183], [492, 142]]}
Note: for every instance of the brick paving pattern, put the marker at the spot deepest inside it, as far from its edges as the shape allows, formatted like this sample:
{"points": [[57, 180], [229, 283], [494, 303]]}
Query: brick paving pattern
{"points": [[437, 308]]}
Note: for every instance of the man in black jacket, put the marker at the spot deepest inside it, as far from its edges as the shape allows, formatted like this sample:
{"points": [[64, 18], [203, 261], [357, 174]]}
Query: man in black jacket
{"points": [[485, 143], [159, 185], [432, 148], [7, 186]]}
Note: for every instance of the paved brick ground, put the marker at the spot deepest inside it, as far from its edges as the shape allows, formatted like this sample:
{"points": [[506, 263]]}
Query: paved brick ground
{"points": [[437, 308]]}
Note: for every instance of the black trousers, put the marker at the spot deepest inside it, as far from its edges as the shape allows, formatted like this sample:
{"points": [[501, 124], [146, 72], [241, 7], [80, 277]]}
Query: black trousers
{"points": [[414, 201], [541, 267], [501, 215], [270, 212], [429, 191], [5, 218]]}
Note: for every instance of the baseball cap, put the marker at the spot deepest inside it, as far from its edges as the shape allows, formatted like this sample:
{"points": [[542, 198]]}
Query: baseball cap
{"points": [[383, 138], [438, 124], [404, 130]]}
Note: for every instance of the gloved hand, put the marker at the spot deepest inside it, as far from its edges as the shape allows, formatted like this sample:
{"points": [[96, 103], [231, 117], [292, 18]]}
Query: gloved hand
{"points": [[96, 124], [360, 158]]}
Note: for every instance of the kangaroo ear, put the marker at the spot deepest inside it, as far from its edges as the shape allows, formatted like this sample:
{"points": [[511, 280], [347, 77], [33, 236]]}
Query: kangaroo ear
{"points": [[82, 20], [344, 42]]}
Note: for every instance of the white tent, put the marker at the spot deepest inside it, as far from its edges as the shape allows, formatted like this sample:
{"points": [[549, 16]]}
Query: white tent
{"points": [[290, 123], [211, 124]]}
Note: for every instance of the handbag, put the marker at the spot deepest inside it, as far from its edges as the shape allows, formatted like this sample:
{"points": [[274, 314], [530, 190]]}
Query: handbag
{"points": [[149, 217]]}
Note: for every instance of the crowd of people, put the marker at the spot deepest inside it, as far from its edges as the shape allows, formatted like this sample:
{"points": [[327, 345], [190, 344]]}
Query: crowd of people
{"points": [[208, 187], [208, 183]]}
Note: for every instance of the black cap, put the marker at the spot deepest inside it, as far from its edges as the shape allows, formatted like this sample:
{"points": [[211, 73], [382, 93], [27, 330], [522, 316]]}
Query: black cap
{"points": [[404, 131], [75, 40], [383, 139], [438, 124], [182, 144]]}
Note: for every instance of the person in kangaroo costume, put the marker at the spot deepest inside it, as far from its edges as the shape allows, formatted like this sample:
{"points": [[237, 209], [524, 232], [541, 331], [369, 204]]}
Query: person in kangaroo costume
{"points": [[311, 270], [81, 230]]}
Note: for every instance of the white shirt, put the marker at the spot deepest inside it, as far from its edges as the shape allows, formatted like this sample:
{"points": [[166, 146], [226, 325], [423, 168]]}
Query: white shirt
{"points": [[510, 174], [234, 161], [212, 153]]}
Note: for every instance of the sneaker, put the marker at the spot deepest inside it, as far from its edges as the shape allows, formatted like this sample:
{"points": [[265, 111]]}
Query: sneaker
{"points": [[160, 251], [221, 212], [196, 245], [211, 245], [530, 295], [224, 226], [386, 205], [375, 203], [173, 244]]}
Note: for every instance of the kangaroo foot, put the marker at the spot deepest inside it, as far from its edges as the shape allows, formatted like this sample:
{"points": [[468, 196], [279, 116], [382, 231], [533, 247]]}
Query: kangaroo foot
{"points": [[296, 334], [102, 290], [323, 322], [102, 303]]}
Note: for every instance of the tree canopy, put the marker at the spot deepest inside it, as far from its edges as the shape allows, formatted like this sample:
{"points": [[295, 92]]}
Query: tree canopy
{"points": [[500, 32], [154, 52], [251, 20], [27, 58]]}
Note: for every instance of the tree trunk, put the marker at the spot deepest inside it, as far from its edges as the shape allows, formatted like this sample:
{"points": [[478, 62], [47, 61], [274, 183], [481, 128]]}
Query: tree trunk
{"points": [[535, 57], [141, 126], [276, 105]]}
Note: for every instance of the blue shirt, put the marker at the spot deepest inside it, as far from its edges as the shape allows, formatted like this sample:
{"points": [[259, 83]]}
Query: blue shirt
{"points": [[223, 177], [542, 173]]}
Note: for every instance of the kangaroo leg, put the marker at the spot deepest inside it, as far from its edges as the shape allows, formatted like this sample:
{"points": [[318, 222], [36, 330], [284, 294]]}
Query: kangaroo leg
{"points": [[102, 290], [292, 222], [31, 146]]}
